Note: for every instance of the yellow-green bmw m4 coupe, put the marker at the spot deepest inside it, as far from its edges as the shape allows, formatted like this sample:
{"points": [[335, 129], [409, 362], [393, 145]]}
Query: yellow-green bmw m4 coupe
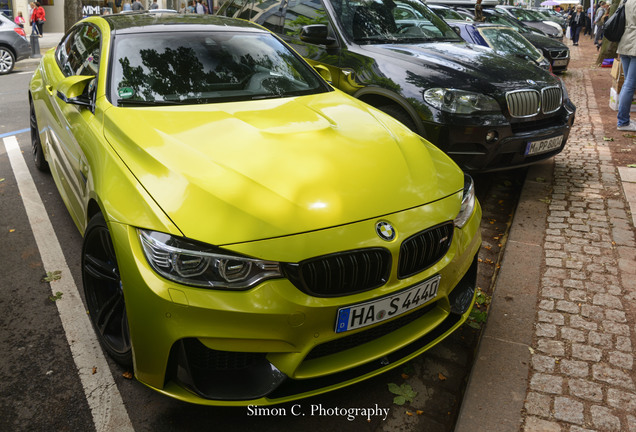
{"points": [[251, 234]]}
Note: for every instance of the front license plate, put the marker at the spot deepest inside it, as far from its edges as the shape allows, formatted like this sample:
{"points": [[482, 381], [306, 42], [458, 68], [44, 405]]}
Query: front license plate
{"points": [[560, 62], [543, 146], [366, 314]]}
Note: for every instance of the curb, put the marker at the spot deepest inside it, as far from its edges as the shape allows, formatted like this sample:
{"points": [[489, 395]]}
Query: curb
{"points": [[503, 353]]}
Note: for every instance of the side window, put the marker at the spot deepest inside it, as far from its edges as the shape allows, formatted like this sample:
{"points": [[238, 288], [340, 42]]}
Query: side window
{"points": [[300, 13], [78, 54]]}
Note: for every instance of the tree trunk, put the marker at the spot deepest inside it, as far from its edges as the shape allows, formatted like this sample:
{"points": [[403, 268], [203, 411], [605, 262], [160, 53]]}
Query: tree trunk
{"points": [[72, 13]]}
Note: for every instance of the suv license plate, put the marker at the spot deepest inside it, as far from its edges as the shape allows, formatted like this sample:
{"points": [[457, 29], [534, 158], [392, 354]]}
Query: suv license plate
{"points": [[366, 314], [543, 146]]}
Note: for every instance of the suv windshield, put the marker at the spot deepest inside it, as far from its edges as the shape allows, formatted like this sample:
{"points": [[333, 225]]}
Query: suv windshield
{"points": [[206, 67], [525, 15], [507, 41], [388, 21]]}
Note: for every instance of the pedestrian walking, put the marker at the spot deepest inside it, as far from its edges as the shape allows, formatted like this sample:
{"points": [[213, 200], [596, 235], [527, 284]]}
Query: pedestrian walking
{"points": [[127, 6], [199, 8], [38, 17], [154, 5], [137, 6], [599, 19], [627, 50], [576, 23]]}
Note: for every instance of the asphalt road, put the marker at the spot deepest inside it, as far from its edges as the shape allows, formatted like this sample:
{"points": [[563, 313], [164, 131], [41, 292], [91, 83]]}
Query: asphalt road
{"points": [[41, 389]]}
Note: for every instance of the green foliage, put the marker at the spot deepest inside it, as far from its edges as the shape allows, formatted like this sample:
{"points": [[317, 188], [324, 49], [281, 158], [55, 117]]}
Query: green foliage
{"points": [[56, 297], [52, 276], [405, 393]]}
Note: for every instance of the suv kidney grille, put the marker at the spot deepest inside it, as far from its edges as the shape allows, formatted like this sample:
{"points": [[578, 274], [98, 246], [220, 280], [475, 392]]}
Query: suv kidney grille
{"points": [[523, 103], [551, 99], [528, 103], [424, 249]]}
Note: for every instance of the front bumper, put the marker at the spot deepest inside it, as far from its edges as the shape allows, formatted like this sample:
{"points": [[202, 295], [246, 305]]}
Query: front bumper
{"points": [[274, 343], [468, 146]]}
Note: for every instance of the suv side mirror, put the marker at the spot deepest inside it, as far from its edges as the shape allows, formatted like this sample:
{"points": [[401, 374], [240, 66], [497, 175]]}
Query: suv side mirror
{"points": [[315, 34]]}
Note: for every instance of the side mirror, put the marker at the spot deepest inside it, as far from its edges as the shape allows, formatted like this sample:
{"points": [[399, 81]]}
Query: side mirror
{"points": [[72, 90], [324, 72], [315, 34]]}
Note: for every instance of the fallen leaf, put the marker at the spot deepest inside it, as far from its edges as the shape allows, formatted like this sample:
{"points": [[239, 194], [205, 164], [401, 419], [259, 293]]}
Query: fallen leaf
{"points": [[608, 139], [127, 375], [419, 412], [11, 230], [94, 370], [1, 180], [531, 350], [409, 413], [540, 179], [441, 376], [405, 376]]}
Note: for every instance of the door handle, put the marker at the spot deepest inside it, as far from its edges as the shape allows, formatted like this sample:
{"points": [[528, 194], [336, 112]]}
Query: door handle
{"points": [[49, 89]]}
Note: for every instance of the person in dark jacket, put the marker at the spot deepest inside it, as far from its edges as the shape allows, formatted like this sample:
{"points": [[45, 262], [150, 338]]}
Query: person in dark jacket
{"points": [[576, 21]]}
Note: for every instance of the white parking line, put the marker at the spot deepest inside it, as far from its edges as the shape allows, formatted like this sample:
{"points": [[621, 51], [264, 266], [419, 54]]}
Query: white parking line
{"points": [[104, 400]]}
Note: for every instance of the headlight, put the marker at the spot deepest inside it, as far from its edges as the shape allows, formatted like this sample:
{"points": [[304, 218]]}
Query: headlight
{"points": [[459, 101], [192, 263], [468, 202]]}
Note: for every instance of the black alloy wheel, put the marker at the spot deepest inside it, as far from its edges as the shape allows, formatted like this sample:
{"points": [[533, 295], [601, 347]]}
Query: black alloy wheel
{"points": [[36, 144], [103, 291]]}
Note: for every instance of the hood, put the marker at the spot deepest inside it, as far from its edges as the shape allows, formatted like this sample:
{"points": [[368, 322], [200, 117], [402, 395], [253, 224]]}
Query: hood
{"points": [[467, 66], [242, 171], [546, 42]]}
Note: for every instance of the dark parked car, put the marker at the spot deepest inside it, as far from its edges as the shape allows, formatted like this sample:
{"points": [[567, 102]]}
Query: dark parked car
{"points": [[502, 39], [533, 19], [557, 53], [486, 111], [13, 44]]}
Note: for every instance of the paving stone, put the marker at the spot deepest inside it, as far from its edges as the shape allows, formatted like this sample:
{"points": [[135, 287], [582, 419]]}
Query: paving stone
{"points": [[538, 404], [543, 363], [585, 352], [535, 424], [584, 389], [616, 328], [546, 304], [551, 347], [572, 335], [602, 340], [618, 398], [568, 409], [574, 368], [546, 330], [623, 343], [546, 383], [607, 300], [604, 419], [551, 317], [631, 423], [615, 315], [621, 359], [578, 322], [577, 295], [603, 372]]}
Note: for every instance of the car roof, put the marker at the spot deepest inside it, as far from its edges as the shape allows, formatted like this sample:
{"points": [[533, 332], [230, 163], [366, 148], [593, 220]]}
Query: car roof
{"points": [[142, 22]]}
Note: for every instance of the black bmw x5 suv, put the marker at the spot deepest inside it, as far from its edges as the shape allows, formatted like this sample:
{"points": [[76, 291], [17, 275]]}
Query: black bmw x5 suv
{"points": [[486, 111]]}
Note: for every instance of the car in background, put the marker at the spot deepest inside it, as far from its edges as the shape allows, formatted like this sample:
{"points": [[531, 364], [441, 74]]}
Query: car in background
{"points": [[551, 15], [13, 45], [486, 111], [533, 19], [251, 235], [502, 39], [448, 14], [557, 53]]}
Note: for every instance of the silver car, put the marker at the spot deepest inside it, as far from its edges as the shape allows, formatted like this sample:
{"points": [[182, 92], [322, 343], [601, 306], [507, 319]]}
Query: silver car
{"points": [[13, 44]]}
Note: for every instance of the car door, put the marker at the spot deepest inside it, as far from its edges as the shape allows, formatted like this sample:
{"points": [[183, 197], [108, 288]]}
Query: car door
{"points": [[77, 54]]}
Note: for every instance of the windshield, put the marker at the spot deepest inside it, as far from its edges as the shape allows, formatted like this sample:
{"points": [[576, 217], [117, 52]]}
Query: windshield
{"points": [[449, 14], [388, 21], [498, 18], [508, 42], [525, 14], [205, 67]]}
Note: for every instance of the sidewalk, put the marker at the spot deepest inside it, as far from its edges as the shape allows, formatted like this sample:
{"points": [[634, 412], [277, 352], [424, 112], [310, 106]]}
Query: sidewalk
{"points": [[46, 42], [557, 353]]}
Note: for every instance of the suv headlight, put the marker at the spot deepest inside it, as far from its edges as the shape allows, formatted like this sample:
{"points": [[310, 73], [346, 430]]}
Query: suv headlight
{"points": [[197, 264], [468, 202], [460, 101]]}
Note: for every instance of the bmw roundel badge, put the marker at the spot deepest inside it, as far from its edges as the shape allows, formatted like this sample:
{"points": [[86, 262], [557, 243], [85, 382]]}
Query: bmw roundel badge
{"points": [[531, 82], [385, 230]]}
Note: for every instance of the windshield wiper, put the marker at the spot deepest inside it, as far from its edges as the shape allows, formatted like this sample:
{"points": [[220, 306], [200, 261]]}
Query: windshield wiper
{"points": [[137, 102]]}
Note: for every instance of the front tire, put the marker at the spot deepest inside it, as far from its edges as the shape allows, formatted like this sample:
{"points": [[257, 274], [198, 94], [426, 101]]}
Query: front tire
{"points": [[104, 293], [36, 144], [7, 60]]}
